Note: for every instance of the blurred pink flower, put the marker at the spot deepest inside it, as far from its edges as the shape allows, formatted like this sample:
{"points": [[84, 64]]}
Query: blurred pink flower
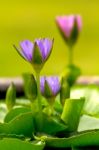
{"points": [[70, 26]]}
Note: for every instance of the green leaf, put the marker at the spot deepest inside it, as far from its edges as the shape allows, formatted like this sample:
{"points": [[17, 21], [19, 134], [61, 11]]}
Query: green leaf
{"points": [[30, 86], [51, 125], [20, 125], [88, 123], [71, 113], [91, 94], [88, 138], [11, 96], [92, 101], [15, 112], [16, 144]]}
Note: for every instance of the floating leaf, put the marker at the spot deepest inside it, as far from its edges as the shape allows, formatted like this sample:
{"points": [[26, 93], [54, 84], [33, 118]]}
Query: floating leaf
{"points": [[88, 123], [88, 138], [16, 144], [91, 94]]}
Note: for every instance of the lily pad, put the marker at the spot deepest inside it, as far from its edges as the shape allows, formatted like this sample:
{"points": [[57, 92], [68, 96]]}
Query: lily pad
{"points": [[88, 138], [91, 94], [88, 123], [16, 144]]}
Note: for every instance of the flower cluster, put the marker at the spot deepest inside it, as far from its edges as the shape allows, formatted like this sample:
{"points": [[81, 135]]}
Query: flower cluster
{"points": [[37, 53]]}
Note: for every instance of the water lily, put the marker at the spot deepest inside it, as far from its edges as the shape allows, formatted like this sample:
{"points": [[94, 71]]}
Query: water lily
{"points": [[36, 52], [50, 87], [70, 26]]}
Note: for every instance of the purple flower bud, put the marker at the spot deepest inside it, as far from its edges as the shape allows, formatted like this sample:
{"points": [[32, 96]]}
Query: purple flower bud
{"points": [[36, 53], [50, 86], [69, 26], [45, 46]]}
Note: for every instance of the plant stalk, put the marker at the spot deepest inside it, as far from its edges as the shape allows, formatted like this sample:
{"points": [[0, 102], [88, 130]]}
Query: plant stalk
{"points": [[70, 55], [39, 99]]}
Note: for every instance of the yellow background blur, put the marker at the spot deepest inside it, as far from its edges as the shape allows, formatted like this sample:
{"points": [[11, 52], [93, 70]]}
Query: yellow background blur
{"points": [[30, 19]]}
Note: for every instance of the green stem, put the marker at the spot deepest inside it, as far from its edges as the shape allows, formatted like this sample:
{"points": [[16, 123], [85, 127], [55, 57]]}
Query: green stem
{"points": [[51, 104], [70, 55], [39, 99], [39, 92]]}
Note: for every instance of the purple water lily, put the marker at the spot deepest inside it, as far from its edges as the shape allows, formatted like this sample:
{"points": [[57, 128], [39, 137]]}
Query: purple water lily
{"points": [[36, 53], [50, 86], [69, 25]]}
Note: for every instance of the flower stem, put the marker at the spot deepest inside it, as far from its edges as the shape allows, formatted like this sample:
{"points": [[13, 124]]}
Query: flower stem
{"points": [[51, 105], [39, 99], [70, 55]]}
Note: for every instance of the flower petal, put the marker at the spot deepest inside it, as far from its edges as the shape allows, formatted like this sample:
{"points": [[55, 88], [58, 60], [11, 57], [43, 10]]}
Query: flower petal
{"points": [[47, 43], [45, 46], [27, 49], [54, 84], [66, 24], [79, 22], [42, 82]]}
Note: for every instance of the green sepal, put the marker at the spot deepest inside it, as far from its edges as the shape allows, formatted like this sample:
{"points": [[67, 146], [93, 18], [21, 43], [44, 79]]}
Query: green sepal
{"points": [[11, 96], [19, 52], [47, 90], [37, 59], [48, 93], [72, 112], [30, 86], [74, 34]]}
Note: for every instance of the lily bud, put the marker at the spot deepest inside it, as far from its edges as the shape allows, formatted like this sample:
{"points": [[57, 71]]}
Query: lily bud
{"points": [[65, 91], [50, 87], [11, 96], [69, 26], [36, 52], [30, 86]]}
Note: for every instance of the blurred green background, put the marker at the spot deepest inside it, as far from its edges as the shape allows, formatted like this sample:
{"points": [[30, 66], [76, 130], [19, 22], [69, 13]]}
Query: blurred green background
{"points": [[30, 19]]}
